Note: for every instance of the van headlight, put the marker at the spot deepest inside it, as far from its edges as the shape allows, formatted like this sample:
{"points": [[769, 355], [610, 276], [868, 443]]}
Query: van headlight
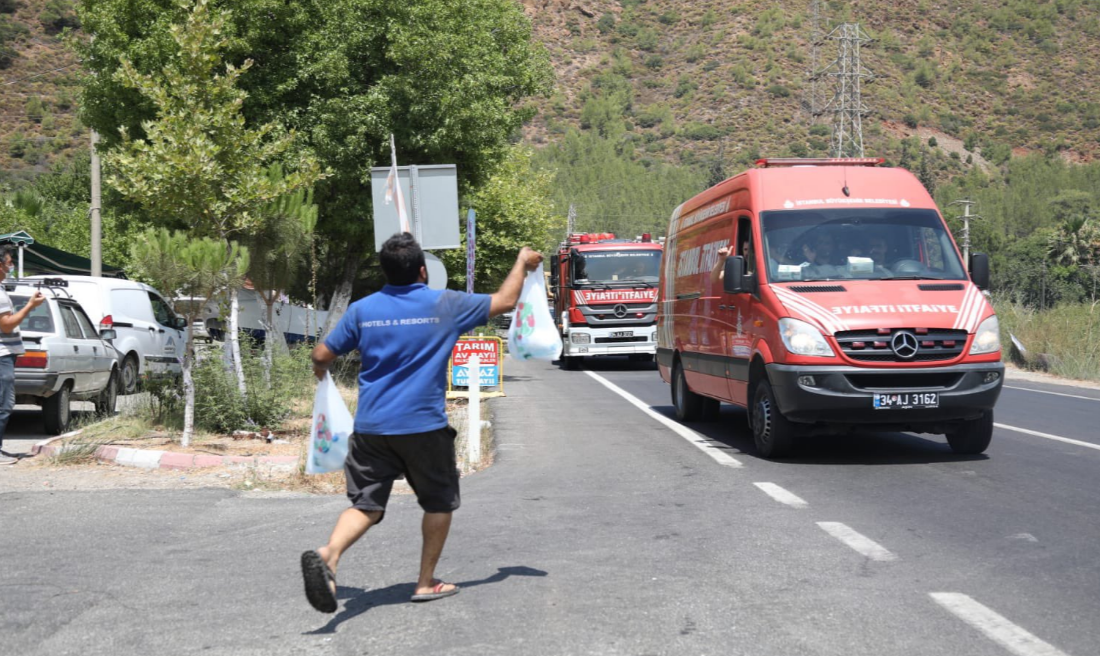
{"points": [[987, 339], [801, 338]]}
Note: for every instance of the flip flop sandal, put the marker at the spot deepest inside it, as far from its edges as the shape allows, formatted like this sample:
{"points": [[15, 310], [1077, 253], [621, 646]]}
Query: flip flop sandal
{"points": [[437, 593], [317, 576]]}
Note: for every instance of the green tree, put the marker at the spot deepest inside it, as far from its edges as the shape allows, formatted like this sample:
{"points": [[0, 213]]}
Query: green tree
{"points": [[197, 164], [188, 269], [514, 209], [448, 79], [278, 250]]}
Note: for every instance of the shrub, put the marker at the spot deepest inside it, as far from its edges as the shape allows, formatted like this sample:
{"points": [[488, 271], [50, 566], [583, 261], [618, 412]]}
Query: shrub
{"points": [[670, 17], [932, 143], [684, 86], [654, 62], [606, 23], [8, 6], [701, 132], [58, 15], [779, 91]]}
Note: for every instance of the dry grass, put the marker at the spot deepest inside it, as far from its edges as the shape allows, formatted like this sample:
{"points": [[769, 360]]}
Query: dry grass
{"points": [[1064, 341]]}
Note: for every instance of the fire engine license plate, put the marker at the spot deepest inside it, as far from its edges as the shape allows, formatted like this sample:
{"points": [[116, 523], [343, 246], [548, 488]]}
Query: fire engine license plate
{"points": [[907, 400], [623, 333]]}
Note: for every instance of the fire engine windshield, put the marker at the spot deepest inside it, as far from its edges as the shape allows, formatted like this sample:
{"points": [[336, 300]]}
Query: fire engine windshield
{"points": [[605, 267], [863, 243]]}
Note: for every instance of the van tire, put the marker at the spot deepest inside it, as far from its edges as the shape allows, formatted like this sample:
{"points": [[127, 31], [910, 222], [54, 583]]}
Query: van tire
{"points": [[108, 397], [570, 362], [973, 436], [688, 404], [771, 431], [129, 379], [57, 412]]}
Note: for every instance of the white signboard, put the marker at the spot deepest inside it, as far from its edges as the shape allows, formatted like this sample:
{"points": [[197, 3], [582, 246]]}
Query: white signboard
{"points": [[431, 194]]}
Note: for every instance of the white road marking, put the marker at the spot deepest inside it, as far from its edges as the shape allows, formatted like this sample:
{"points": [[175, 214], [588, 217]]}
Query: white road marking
{"points": [[861, 543], [1048, 436], [712, 448], [781, 495], [1028, 537], [995, 627], [1072, 396]]}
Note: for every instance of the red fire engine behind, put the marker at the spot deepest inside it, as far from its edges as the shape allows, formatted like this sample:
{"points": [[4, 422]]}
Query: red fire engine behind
{"points": [[604, 296]]}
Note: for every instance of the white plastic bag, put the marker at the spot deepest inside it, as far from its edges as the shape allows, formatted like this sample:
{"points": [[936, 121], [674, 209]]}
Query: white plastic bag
{"points": [[533, 335], [332, 428]]}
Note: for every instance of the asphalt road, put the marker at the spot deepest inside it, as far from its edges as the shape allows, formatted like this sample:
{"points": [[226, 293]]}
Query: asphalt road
{"points": [[603, 530]]}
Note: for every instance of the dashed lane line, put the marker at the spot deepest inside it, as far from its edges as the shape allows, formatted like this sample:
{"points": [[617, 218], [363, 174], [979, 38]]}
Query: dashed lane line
{"points": [[995, 627], [861, 543], [1037, 391], [712, 448], [1057, 438], [781, 495]]}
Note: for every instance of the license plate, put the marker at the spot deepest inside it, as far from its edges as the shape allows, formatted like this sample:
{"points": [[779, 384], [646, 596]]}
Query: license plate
{"points": [[623, 333], [906, 400]]}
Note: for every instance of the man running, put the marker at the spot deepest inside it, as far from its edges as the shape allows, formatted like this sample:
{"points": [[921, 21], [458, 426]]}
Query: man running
{"points": [[404, 334]]}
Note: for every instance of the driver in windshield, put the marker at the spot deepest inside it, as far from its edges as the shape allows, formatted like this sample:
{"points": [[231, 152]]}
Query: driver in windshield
{"points": [[820, 250]]}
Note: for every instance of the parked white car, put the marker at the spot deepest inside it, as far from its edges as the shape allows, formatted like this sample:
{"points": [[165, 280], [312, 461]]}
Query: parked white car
{"points": [[66, 359], [150, 337]]}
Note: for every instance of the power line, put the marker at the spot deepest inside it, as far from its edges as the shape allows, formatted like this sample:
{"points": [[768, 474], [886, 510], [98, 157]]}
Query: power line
{"points": [[31, 77]]}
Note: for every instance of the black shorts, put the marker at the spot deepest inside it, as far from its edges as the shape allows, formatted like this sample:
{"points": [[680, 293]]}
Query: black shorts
{"points": [[427, 460]]}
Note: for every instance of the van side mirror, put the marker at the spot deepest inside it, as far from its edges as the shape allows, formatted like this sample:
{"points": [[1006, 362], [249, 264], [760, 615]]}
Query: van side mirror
{"points": [[979, 270], [179, 322], [107, 334], [733, 277], [555, 260]]}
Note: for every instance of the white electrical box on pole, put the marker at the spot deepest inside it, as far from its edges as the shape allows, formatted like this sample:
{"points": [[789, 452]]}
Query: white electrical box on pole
{"points": [[95, 212]]}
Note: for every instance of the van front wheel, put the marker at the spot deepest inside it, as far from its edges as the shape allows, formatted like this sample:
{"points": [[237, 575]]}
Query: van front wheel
{"points": [[972, 437], [689, 405], [772, 433]]}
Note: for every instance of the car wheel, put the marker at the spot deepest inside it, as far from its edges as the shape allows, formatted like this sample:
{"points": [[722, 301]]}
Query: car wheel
{"points": [[108, 397], [129, 374], [570, 362], [973, 436], [56, 412], [688, 404], [772, 433]]}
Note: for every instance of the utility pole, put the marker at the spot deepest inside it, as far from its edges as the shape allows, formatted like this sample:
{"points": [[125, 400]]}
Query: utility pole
{"points": [[966, 217], [848, 75], [97, 222]]}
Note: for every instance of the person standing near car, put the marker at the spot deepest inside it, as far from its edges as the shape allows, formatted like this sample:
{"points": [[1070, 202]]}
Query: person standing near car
{"points": [[404, 335], [11, 346]]}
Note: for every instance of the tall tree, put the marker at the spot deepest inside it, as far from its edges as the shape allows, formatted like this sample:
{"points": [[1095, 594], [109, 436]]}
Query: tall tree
{"points": [[513, 210], [449, 79], [197, 163], [189, 269], [278, 250]]}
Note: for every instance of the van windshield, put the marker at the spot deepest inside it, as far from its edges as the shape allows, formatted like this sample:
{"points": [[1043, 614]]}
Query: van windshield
{"points": [[861, 243], [602, 267]]}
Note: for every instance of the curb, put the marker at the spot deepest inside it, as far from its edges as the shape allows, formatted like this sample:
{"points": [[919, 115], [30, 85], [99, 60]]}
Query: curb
{"points": [[148, 459]]}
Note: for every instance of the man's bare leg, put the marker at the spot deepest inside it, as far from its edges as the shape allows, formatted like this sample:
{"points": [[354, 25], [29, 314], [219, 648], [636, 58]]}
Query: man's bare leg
{"points": [[351, 526], [435, 528]]}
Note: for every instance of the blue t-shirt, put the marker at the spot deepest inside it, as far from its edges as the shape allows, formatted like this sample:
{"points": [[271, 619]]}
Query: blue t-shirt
{"points": [[405, 336]]}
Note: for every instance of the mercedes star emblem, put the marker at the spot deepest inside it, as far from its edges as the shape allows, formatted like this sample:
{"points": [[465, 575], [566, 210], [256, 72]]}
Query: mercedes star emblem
{"points": [[904, 344], [620, 311]]}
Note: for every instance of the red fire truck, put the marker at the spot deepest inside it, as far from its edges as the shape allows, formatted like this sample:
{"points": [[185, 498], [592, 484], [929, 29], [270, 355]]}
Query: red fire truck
{"points": [[604, 295]]}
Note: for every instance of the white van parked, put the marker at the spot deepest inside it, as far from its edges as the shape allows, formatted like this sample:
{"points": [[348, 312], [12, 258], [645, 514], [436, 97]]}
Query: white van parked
{"points": [[150, 337]]}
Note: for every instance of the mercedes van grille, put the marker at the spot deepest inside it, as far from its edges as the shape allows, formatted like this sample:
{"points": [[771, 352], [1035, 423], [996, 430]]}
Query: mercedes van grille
{"points": [[933, 345]]}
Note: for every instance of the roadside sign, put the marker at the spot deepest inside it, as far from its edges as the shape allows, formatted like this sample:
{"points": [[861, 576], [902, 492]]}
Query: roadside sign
{"points": [[488, 349]]}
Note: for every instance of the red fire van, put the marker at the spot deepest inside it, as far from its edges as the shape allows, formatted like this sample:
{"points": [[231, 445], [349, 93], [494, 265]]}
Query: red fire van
{"points": [[843, 303]]}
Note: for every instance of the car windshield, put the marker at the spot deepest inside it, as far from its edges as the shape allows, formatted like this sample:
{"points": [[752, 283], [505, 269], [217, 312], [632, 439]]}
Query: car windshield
{"points": [[39, 319], [862, 243], [616, 266]]}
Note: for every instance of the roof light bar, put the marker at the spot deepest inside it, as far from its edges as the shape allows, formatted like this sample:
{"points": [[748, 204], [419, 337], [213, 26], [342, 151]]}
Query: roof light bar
{"points": [[772, 162]]}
